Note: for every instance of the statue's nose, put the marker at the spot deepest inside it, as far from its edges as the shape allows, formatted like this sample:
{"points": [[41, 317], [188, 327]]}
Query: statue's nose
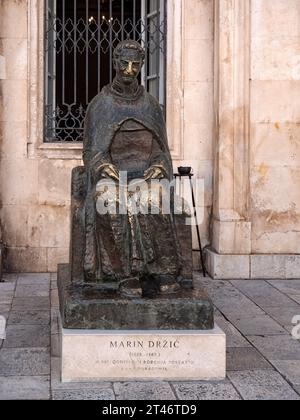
{"points": [[129, 69]]}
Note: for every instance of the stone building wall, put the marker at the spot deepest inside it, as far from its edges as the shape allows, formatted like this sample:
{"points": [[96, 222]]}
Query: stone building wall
{"points": [[34, 192], [233, 114], [198, 115], [2, 67], [35, 178], [275, 127], [256, 172]]}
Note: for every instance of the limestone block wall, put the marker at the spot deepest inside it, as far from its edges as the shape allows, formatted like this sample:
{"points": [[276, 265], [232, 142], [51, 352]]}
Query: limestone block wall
{"points": [[35, 193], [254, 213], [275, 126], [2, 67], [198, 116], [35, 179], [256, 170]]}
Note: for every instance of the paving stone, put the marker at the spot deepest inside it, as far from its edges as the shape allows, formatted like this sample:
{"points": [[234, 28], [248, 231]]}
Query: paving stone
{"points": [[289, 328], [229, 300], [29, 317], [283, 315], [25, 388], [233, 337], [84, 395], [31, 303], [245, 285], [217, 313], [262, 293], [281, 347], [218, 391], [6, 300], [257, 325], [209, 284], [27, 336], [262, 385], [6, 293], [55, 345], [233, 310], [33, 278], [57, 385], [226, 291], [7, 287], [248, 358], [236, 306], [143, 391], [215, 288], [4, 310], [296, 298], [284, 352], [289, 287], [32, 290], [289, 369], [24, 362], [9, 278]]}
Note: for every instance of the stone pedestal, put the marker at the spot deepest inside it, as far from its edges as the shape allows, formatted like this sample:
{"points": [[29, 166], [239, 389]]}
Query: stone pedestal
{"points": [[94, 355], [105, 336], [100, 306]]}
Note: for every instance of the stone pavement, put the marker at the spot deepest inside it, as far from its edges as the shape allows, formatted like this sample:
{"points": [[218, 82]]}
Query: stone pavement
{"points": [[263, 358]]}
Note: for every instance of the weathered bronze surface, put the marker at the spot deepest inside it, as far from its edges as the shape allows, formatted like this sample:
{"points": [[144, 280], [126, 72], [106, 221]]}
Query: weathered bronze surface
{"points": [[123, 267], [95, 306]]}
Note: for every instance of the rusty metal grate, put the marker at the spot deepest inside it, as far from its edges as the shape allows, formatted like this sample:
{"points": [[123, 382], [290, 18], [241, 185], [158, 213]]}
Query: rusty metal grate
{"points": [[80, 36]]}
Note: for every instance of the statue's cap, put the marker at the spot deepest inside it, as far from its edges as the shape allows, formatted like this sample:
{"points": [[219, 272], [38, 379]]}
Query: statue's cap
{"points": [[129, 44]]}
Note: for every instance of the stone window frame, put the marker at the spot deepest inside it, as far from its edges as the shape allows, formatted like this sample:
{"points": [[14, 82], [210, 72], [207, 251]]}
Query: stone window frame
{"points": [[37, 148]]}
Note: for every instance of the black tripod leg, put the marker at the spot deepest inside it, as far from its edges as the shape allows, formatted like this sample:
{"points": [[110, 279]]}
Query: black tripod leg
{"points": [[197, 228]]}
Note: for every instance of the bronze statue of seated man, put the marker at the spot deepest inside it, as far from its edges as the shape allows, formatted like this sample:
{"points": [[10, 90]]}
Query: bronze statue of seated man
{"points": [[125, 132]]}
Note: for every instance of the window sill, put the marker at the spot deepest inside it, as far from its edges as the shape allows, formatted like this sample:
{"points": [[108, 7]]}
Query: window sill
{"points": [[70, 151]]}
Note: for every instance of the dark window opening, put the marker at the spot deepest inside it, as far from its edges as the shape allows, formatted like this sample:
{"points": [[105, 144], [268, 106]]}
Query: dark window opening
{"points": [[80, 38]]}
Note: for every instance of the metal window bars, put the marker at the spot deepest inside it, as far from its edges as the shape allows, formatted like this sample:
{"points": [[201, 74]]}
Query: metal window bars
{"points": [[80, 36]]}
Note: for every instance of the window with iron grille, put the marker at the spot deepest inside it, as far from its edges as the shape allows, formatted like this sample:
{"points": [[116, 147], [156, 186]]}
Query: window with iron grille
{"points": [[80, 37]]}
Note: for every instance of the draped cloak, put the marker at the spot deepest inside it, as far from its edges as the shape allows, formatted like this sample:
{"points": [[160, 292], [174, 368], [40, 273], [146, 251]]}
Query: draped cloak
{"points": [[117, 246]]}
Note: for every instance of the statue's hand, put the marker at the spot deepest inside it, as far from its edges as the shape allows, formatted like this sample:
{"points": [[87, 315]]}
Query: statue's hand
{"points": [[154, 172], [110, 171]]}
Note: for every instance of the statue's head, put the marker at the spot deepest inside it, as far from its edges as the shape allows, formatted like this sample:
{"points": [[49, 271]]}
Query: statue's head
{"points": [[129, 57]]}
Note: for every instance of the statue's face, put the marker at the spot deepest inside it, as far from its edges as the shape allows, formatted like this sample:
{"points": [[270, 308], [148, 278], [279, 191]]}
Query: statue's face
{"points": [[128, 66]]}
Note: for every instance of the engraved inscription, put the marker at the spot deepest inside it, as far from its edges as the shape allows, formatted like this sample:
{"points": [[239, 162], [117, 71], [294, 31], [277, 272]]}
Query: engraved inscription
{"points": [[148, 355], [159, 344], [158, 355]]}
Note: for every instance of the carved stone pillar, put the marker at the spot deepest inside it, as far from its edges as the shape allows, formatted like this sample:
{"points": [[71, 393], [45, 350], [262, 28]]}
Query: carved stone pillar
{"points": [[2, 76], [2, 67], [231, 237]]}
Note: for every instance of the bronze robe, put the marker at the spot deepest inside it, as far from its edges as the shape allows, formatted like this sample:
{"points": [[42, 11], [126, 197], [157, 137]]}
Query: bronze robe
{"points": [[131, 134]]}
